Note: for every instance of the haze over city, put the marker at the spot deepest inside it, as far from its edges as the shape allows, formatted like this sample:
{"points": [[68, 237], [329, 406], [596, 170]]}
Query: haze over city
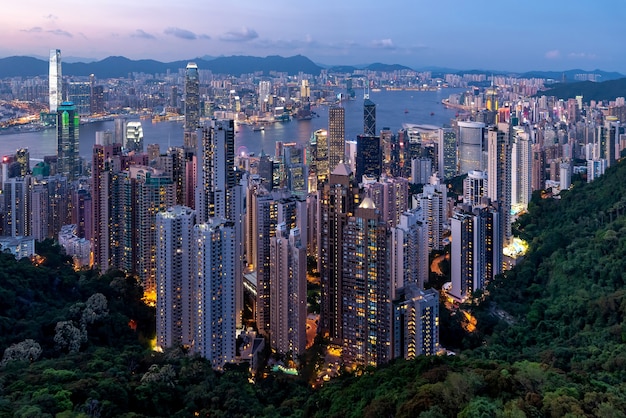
{"points": [[505, 36]]}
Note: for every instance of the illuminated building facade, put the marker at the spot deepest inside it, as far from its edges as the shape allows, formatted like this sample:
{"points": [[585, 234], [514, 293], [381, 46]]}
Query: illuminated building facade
{"points": [[175, 269], [215, 309], [192, 97], [447, 153], [288, 291], [336, 136], [79, 93], [416, 322], [68, 157], [409, 251], [337, 201], [366, 289]]}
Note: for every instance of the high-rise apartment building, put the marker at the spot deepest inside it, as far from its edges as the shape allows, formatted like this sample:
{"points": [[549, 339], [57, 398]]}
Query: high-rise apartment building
{"points": [[216, 175], [416, 322], [68, 157], [366, 288], [55, 80], [175, 273], [521, 168], [336, 136], [16, 193], [475, 187], [391, 197], [215, 308], [409, 251], [433, 201], [288, 291], [337, 201], [499, 176]]}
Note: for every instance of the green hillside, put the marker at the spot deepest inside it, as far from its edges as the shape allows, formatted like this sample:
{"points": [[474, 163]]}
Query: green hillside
{"points": [[605, 91], [558, 351]]}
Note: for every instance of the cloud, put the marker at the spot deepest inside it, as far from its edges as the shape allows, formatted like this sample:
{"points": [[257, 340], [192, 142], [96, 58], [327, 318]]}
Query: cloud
{"points": [[245, 34], [140, 33], [51, 17], [36, 29], [60, 32], [204, 36], [181, 33], [553, 54], [383, 44]]}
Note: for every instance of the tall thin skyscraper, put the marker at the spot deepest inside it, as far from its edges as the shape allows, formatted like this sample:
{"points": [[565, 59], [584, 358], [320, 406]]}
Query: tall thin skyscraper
{"points": [[337, 202], [192, 97], [369, 117], [68, 158], [336, 136], [55, 80], [288, 291], [499, 176]]}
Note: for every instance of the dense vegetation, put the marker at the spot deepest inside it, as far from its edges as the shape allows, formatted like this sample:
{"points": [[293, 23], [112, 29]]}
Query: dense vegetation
{"points": [[606, 90], [550, 339]]}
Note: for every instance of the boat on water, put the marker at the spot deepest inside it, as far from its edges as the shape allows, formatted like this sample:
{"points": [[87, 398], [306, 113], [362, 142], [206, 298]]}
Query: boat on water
{"points": [[258, 128], [406, 110]]}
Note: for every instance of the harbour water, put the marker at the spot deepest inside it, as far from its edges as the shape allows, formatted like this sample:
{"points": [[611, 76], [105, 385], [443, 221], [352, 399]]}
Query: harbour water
{"points": [[393, 109]]}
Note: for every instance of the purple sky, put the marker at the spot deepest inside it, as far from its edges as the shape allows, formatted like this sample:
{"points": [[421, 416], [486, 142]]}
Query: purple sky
{"points": [[488, 34]]}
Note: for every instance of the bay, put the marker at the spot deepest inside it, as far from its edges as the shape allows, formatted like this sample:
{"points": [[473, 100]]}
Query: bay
{"points": [[393, 109]]}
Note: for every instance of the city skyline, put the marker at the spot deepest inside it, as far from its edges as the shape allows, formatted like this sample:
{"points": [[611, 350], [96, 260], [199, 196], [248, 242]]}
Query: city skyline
{"points": [[456, 35]]}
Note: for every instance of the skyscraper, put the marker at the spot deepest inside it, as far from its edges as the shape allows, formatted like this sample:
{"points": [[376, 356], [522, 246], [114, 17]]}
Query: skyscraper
{"points": [[192, 97], [447, 153], [470, 139], [336, 136], [134, 137], [368, 157], [55, 80], [521, 169], [369, 117], [68, 157]]}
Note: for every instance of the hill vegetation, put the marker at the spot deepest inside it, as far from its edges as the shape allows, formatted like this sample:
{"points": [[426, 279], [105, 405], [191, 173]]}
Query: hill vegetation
{"points": [[605, 91], [550, 339]]}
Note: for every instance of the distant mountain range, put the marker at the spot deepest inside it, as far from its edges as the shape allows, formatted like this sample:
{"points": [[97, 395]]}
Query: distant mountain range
{"points": [[114, 67]]}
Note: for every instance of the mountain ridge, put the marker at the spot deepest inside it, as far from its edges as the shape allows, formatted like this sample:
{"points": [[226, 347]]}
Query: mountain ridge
{"points": [[119, 66]]}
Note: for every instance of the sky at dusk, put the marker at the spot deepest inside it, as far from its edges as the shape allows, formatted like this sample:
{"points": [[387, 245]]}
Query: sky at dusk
{"points": [[477, 34]]}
